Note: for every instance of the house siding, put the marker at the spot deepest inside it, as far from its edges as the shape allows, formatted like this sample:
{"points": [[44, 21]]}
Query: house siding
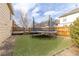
{"points": [[5, 22], [68, 19]]}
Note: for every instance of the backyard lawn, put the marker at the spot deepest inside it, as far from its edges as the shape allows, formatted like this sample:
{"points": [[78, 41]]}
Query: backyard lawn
{"points": [[26, 45]]}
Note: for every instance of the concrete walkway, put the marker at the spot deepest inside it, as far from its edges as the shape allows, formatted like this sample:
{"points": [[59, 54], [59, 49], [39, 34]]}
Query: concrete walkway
{"points": [[72, 51]]}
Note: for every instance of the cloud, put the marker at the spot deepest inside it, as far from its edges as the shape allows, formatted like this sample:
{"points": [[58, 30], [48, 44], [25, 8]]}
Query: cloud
{"points": [[51, 12], [25, 7], [36, 10], [35, 14], [42, 19]]}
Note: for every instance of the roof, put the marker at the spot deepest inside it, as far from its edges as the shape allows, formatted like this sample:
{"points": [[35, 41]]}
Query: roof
{"points": [[10, 7], [76, 10]]}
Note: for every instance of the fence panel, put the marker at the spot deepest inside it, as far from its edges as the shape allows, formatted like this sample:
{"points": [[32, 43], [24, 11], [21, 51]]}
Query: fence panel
{"points": [[63, 31]]}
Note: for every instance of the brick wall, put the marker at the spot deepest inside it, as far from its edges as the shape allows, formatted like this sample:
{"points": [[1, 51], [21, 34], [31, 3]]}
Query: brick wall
{"points": [[5, 22]]}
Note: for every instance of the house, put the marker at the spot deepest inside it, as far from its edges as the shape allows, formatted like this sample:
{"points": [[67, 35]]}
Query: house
{"points": [[66, 19], [45, 25], [5, 21], [15, 27], [42, 26]]}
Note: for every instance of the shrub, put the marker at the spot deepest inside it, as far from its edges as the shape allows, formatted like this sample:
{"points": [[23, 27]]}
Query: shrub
{"points": [[74, 31]]}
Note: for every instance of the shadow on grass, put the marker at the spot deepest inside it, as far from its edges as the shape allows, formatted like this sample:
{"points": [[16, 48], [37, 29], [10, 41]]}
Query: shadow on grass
{"points": [[44, 37]]}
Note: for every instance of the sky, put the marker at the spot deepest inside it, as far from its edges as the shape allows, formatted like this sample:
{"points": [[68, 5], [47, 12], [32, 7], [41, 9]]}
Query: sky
{"points": [[41, 11]]}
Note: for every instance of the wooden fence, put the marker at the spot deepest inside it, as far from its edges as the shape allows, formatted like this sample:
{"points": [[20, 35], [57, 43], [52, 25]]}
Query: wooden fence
{"points": [[63, 31]]}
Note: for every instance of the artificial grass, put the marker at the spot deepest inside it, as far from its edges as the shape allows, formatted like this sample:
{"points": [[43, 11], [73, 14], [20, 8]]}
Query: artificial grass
{"points": [[26, 45]]}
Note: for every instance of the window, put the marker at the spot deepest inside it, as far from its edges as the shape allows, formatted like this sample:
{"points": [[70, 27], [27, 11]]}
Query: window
{"points": [[64, 20]]}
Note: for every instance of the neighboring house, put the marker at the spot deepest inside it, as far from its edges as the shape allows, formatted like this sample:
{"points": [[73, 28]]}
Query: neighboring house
{"points": [[5, 21], [15, 27], [42, 26], [45, 25], [65, 20]]}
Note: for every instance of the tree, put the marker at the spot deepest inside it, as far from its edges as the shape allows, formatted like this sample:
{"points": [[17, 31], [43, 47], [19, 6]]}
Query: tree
{"points": [[74, 31], [24, 21]]}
